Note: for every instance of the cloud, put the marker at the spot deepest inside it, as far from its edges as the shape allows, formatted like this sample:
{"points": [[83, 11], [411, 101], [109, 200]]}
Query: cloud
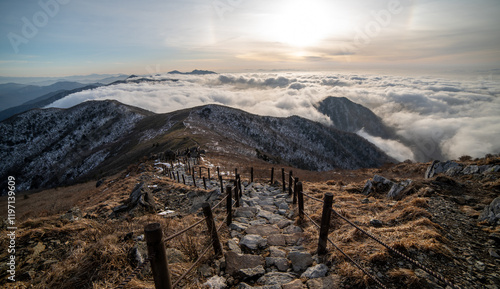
{"points": [[438, 118]]}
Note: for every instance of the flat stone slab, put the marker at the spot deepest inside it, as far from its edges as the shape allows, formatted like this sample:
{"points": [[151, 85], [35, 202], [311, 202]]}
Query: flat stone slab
{"points": [[235, 262], [263, 230], [245, 212], [276, 278], [253, 242], [293, 239], [300, 260], [279, 262], [276, 240]]}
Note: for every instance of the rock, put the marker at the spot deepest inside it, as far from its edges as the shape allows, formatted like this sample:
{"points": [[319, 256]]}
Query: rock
{"points": [[251, 273], [293, 239], [276, 278], [276, 240], [365, 201], [205, 270], [470, 169], [263, 230], [139, 202], [284, 223], [300, 260], [231, 244], [253, 242], [493, 253], [396, 189], [295, 284], [378, 183], [332, 281], [245, 212], [236, 262], [240, 227], [99, 183], [491, 213], [279, 262], [317, 271], [492, 169], [368, 188], [216, 282], [376, 223], [74, 214], [39, 248], [175, 256], [480, 266], [276, 252], [136, 255], [292, 229], [438, 167]]}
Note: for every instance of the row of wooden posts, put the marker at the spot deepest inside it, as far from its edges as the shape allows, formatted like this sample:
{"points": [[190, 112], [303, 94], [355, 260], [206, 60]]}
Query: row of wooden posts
{"points": [[154, 236]]}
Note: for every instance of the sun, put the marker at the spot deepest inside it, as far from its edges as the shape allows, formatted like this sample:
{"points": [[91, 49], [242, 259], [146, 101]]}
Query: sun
{"points": [[304, 23]]}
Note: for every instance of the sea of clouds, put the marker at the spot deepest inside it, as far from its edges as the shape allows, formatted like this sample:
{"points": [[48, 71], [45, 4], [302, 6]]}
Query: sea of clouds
{"points": [[435, 118]]}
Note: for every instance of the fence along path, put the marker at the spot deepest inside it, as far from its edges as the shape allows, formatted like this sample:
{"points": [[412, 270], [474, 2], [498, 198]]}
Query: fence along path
{"points": [[261, 218]]}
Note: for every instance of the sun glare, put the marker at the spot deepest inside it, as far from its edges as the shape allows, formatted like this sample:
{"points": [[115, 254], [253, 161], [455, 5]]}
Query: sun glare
{"points": [[304, 23]]}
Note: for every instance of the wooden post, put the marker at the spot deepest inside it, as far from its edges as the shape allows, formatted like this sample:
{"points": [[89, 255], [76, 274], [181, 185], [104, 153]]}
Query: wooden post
{"points": [[290, 181], [212, 229], [236, 194], [325, 223], [156, 248], [229, 205], [235, 172], [251, 175], [178, 179], [295, 190], [272, 175], [208, 172], [183, 179], [194, 180], [204, 183], [239, 186], [221, 184], [200, 171], [283, 179], [301, 200], [218, 172]]}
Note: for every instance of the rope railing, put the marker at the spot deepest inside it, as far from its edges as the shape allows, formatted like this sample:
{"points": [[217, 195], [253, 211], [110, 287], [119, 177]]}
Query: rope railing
{"points": [[375, 279], [325, 222], [192, 266], [397, 252]]}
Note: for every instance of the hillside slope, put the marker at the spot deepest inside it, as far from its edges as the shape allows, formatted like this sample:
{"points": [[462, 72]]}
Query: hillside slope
{"points": [[56, 146]]}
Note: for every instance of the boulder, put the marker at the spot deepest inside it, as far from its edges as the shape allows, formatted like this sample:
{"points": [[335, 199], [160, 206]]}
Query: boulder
{"points": [[251, 273], [491, 213], [396, 189], [438, 167], [377, 184]]}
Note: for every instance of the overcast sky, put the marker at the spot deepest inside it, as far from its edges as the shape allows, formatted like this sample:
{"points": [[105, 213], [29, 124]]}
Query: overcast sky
{"points": [[68, 37]]}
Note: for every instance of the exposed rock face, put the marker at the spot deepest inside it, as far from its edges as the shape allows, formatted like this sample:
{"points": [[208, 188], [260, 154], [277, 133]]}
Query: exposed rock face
{"points": [[380, 184], [451, 168], [491, 213]]}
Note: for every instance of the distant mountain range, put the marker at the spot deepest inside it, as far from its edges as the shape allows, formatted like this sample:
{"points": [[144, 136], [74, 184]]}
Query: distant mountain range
{"points": [[195, 72], [50, 147]]}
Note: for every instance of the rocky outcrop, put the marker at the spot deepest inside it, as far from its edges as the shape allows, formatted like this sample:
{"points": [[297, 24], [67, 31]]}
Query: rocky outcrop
{"points": [[451, 168], [141, 201], [491, 213], [380, 184]]}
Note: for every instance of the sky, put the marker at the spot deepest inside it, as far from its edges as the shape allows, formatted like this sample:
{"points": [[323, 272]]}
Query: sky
{"points": [[77, 37]]}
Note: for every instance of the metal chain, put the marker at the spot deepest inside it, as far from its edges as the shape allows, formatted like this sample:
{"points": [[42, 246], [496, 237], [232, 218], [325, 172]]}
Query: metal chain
{"points": [[135, 272], [415, 262]]}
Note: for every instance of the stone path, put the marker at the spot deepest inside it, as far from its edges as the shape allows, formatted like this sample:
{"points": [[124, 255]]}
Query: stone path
{"points": [[266, 247]]}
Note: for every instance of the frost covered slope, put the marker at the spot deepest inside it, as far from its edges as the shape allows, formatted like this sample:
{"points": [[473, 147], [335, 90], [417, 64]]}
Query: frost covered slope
{"points": [[47, 147], [294, 140]]}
